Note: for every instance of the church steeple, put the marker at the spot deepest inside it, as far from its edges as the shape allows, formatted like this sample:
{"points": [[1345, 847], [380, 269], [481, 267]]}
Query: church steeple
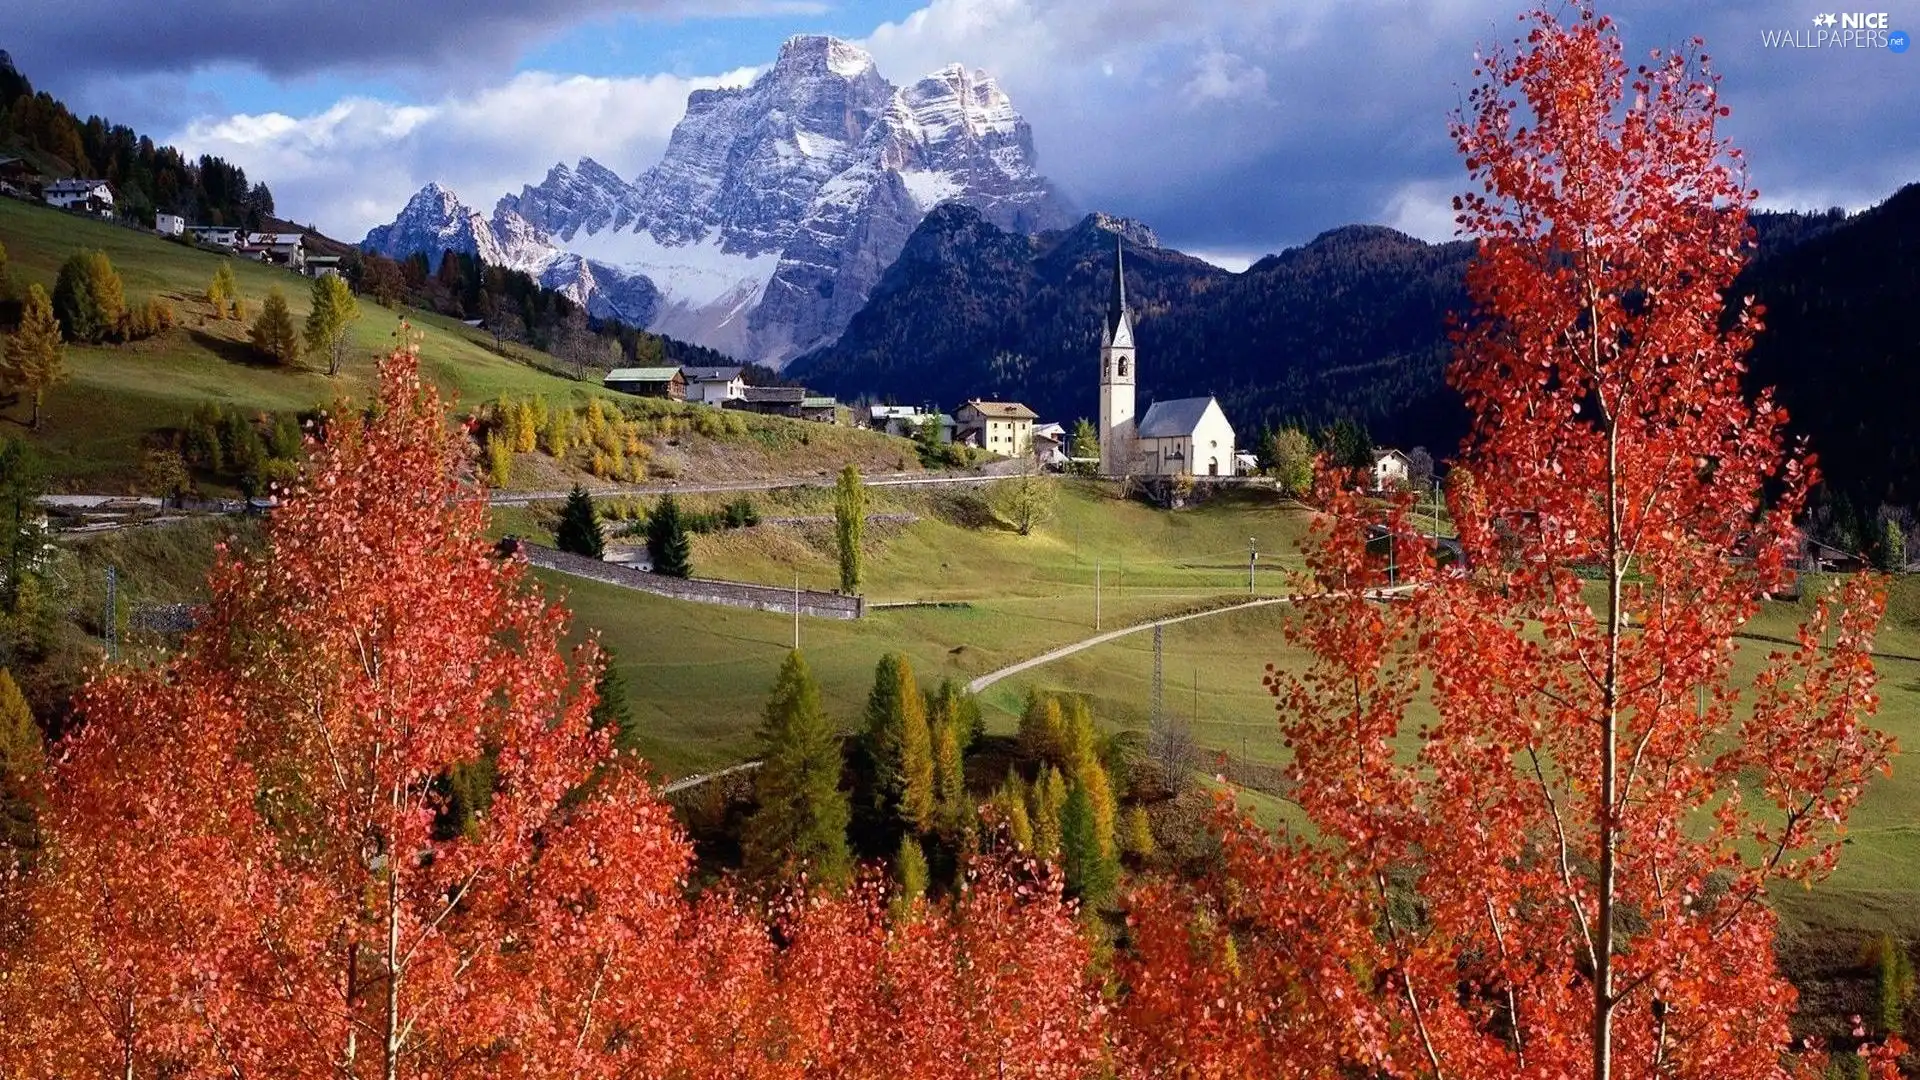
{"points": [[1117, 375]]}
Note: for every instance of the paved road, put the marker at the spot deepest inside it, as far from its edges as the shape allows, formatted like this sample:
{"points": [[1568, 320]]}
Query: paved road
{"points": [[992, 677]]}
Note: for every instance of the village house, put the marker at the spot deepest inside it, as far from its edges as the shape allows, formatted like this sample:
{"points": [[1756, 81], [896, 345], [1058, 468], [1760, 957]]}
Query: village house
{"points": [[169, 224], [18, 171], [1050, 444], [907, 421], [1003, 427], [279, 249], [714, 385], [215, 235], [91, 196], [1390, 470], [319, 266], [1180, 437], [820, 409], [655, 382], [771, 401]]}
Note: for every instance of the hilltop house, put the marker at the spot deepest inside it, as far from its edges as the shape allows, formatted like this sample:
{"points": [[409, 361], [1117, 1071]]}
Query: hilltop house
{"points": [[1003, 427], [169, 224], [319, 266], [1389, 470], [714, 385], [92, 196], [215, 235], [657, 382], [280, 249], [820, 408], [1181, 437]]}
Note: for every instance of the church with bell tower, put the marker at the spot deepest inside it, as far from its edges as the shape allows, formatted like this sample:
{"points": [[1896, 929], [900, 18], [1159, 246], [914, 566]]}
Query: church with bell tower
{"points": [[1117, 376], [1181, 437]]}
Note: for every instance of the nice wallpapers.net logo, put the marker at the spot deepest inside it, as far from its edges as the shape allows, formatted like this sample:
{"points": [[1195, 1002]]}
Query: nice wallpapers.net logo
{"points": [[1841, 30]]}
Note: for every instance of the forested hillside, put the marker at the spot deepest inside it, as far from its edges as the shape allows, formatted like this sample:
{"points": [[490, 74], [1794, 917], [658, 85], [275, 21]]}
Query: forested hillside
{"points": [[146, 178], [1354, 324]]}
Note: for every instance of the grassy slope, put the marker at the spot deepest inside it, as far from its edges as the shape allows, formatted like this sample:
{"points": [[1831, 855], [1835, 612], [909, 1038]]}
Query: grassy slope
{"points": [[116, 395], [699, 675]]}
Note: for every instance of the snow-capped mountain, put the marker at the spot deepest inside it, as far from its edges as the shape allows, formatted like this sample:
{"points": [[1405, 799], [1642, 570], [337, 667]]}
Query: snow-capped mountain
{"points": [[774, 210]]}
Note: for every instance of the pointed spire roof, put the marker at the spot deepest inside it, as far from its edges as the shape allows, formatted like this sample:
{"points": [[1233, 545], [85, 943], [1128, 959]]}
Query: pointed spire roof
{"points": [[1117, 306]]}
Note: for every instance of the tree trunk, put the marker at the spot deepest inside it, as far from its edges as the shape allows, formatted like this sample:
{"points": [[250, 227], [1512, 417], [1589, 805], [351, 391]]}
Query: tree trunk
{"points": [[1605, 824]]}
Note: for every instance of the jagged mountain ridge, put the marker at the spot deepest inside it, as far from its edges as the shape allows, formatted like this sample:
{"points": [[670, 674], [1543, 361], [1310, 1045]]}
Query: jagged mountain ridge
{"points": [[774, 210]]}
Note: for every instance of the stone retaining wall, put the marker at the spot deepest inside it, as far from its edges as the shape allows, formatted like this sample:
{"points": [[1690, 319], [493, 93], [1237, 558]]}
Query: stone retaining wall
{"points": [[821, 605]]}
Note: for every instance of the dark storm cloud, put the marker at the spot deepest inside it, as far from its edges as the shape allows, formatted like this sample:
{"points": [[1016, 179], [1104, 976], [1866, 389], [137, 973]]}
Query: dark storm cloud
{"points": [[289, 38]]}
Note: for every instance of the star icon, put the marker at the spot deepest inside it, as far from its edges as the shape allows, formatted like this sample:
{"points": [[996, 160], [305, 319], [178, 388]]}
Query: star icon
{"points": [[1824, 20]]}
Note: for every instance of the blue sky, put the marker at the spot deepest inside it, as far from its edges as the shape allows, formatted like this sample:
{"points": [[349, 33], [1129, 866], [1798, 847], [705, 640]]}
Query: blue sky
{"points": [[1233, 127]]}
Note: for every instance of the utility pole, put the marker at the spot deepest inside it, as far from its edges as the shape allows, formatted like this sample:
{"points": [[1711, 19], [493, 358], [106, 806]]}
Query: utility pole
{"points": [[1252, 557], [796, 612], [1159, 687], [1096, 596]]}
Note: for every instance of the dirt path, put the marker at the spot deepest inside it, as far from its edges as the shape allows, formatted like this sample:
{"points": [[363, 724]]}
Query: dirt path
{"points": [[992, 677]]}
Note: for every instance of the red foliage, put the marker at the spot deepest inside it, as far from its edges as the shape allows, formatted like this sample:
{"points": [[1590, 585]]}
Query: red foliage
{"points": [[1560, 872], [362, 826]]}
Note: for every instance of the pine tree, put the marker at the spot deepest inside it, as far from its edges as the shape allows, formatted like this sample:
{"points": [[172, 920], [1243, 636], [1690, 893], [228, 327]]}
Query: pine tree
{"points": [[1083, 765], [899, 744], [910, 870], [1042, 732], [949, 779], [22, 756], [1048, 797], [87, 297], [849, 525], [35, 358], [557, 433], [612, 707], [951, 703], [799, 824], [579, 529], [499, 461], [1893, 548], [667, 540], [330, 319], [1011, 801], [1090, 867], [272, 333]]}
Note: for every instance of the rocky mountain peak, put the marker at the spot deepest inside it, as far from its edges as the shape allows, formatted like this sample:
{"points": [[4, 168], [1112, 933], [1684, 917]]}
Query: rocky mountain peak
{"points": [[777, 205]]}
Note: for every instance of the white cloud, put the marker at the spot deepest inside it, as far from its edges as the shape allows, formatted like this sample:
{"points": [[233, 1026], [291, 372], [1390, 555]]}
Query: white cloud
{"points": [[353, 165], [1222, 76], [1423, 208], [1231, 261]]}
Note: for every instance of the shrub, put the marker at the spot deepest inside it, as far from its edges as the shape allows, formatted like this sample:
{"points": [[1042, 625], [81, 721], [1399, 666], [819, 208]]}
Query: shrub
{"points": [[149, 318], [741, 513], [499, 461]]}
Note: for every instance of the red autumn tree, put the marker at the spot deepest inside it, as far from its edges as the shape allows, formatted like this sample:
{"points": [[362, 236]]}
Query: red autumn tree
{"points": [[343, 833], [1548, 805]]}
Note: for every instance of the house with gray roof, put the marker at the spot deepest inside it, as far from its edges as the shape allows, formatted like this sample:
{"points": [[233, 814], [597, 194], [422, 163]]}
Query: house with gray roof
{"points": [[658, 382]]}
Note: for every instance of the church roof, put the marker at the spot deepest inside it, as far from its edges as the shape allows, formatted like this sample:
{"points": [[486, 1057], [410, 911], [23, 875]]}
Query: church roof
{"points": [[1173, 419], [1117, 303]]}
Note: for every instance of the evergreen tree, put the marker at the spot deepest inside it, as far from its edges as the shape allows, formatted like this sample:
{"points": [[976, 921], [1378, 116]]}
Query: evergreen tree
{"points": [[1042, 729], [330, 319], [949, 779], [799, 823], [272, 333], [1140, 843], [6, 278], [849, 525], [22, 482], [579, 529], [557, 432], [87, 297], [1893, 548], [951, 703], [1011, 802], [22, 756], [1092, 872], [899, 744], [910, 870], [1048, 797], [612, 707], [35, 358], [667, 540]]}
